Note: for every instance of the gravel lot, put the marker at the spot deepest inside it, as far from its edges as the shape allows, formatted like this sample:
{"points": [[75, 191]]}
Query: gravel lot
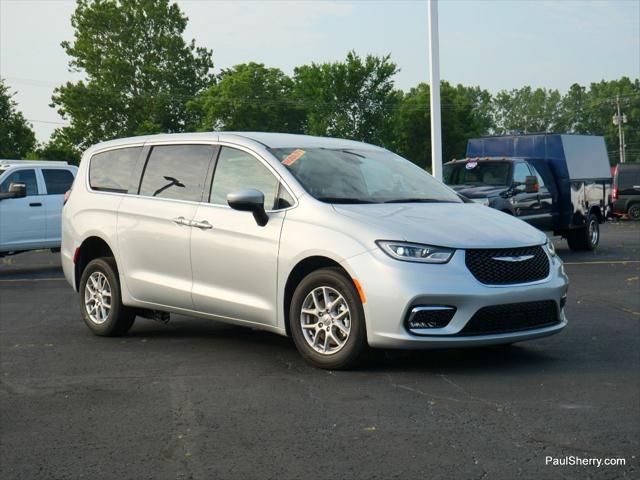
{"points": [[198, 399]]}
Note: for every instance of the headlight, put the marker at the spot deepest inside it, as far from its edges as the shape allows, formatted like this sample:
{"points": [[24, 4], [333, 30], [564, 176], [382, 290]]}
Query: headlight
{"points": [[481, 201], [415, 252], [551, 248]]}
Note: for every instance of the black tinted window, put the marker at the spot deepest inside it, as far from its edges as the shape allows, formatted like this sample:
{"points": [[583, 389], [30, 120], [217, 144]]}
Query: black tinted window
{"points": [[176, 171], [58, 181], [237, 170], [113, 170], [28, 177]]}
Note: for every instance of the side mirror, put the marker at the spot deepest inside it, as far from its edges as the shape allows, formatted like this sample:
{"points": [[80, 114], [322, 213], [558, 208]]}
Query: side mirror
{"points": [[531, 184], [249, 201], [16, 190]]}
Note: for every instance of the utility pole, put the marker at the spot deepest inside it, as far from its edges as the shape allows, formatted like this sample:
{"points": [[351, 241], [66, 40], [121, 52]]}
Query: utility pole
{"points": [[434, 78], [620, 119]]}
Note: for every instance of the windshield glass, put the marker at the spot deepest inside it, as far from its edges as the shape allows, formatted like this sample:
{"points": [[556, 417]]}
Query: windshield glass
{"points": [[477, 173], [362, 176]]}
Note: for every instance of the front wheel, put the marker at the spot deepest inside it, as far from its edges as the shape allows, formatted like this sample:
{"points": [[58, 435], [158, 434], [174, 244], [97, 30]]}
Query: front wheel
{"points": [[587, 237], [100, 299], [327, 320], [634, 211]]}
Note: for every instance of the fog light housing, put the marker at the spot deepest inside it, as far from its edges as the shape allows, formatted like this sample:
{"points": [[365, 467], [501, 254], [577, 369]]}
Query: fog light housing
{"points": [[563, 302], [429, 316]]}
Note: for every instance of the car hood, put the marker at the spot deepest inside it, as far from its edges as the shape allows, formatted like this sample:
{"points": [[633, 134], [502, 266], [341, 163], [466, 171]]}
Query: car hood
{"points": [[456, 225], [479, 191]]}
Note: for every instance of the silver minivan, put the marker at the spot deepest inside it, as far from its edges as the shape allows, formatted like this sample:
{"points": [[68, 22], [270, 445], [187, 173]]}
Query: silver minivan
{"points": [[339, 244]]}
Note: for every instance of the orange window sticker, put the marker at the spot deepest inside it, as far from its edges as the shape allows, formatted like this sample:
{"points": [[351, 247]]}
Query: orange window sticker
{"points": [[293, 157]]}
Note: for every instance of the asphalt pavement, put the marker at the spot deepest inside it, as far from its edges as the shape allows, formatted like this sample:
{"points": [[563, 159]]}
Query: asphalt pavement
{"points": [[199, 399]]}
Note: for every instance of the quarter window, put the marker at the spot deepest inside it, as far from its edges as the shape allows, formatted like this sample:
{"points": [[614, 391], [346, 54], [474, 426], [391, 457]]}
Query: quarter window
{"points": [[28, 177], [238, 170], [58, 181], [176, 171], [112, 171]]}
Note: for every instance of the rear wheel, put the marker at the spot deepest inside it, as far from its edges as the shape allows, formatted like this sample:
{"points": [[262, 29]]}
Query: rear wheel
{"points": [[100, 299], [634, 211], [327, 320], [587, 237]]}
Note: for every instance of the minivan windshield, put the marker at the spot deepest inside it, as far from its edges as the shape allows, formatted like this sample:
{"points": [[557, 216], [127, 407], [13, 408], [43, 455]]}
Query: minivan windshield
{"points": [[352, 175], [477, 173]]}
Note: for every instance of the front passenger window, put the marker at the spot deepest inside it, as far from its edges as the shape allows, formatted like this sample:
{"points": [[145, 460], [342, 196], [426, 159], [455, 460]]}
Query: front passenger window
{"points": [[520, 174], [238, 170], [28, 177]]}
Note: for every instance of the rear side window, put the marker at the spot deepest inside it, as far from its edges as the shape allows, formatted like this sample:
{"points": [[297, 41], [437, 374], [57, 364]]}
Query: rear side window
{"points": [[176, 171], [112, 171], [58, 181], [28, 177]]}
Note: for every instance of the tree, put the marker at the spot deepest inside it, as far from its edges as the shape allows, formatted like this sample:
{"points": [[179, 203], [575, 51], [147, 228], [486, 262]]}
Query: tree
{"points": [[249, 97], [352, 99], [590, 111], [466, 113], [140, 72], [16, 136], [527, 110]]}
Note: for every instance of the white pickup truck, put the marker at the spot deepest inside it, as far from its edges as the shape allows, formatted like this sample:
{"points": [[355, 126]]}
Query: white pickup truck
{"points": [[31, 199]]}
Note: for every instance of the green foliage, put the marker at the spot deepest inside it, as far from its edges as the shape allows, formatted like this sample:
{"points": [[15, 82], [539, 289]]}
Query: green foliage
{"points": [[465, 114], [16, 136], [354, 99], [249, 97], [526, 110], [140, 72], [58, 147]]}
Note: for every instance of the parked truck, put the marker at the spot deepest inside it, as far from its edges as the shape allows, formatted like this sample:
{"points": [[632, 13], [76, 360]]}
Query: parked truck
{"points": [[556, 182]]}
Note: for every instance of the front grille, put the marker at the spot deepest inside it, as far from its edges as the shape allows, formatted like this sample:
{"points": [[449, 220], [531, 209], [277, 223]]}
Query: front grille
{"points": [[483, 265], [512, 317], [430, 317]]}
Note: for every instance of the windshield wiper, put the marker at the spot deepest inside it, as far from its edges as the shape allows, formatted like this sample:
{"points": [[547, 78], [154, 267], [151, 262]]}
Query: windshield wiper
{"points": [[343, 200], [416, 200]]}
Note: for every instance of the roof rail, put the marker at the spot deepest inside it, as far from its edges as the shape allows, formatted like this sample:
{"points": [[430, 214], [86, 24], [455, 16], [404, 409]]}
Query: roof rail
{"points": [[32, 162]]}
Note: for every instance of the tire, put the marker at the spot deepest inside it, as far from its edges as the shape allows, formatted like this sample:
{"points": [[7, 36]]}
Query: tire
{"points": [[586, 238], [634, 211], [109, 318], [343, 350]]}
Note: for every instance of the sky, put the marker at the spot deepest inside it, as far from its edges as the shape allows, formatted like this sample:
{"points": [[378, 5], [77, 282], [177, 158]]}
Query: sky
{"points": [[497, 44]]}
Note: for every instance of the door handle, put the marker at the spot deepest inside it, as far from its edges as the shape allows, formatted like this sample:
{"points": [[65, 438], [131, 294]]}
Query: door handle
{"points": [[204, 225], [181, 221], [35, 204]]}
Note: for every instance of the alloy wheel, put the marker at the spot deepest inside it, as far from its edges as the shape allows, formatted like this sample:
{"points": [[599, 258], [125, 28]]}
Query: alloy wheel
{"points": [[97, 298], [325, 320]]}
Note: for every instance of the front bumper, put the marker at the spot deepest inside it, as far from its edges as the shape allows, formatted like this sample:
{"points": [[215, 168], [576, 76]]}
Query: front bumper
{"points": [[392, 288]]}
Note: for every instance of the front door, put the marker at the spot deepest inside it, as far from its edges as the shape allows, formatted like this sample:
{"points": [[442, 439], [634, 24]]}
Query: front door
{"points": [[524, 204], [153, 227], [234, 259], [22, 220]]}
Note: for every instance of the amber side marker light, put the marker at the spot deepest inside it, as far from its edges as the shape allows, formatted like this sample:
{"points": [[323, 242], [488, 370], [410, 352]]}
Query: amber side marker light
{"points": [[360, 291]]}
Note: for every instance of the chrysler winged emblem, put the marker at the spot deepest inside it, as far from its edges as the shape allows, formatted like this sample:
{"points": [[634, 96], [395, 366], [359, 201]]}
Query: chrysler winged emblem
{"points": [[513, 258]]}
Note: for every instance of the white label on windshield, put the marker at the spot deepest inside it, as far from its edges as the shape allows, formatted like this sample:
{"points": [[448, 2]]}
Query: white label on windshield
{"points": [[471, 165]]}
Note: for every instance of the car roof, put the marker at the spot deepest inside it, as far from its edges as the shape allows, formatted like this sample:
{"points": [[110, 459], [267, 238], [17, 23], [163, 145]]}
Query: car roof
{"points": [[265, 139], [32, 163]]}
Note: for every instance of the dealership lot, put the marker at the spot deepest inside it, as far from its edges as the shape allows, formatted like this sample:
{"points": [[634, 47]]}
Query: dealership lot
{"points": [[199, 399]]}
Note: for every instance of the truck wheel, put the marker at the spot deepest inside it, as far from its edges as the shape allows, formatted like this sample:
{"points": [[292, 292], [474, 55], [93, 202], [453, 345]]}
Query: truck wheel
{"points": [[587, 237], [100, 300], [634, 211], [327, 320]]}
